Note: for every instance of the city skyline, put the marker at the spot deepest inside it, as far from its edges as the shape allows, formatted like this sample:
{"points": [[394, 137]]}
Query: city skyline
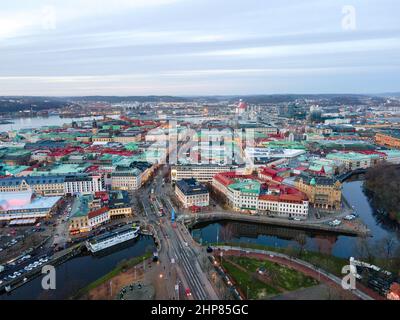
{"points": [[184, 48]]}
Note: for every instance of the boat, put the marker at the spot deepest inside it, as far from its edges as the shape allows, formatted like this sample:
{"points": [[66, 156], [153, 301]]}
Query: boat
{"points": [[112, 238]]}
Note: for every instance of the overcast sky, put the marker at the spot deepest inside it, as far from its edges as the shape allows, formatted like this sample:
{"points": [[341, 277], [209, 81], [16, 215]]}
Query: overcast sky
{"points": [[198, 47]]}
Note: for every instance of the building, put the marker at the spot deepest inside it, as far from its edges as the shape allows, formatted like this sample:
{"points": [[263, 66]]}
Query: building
{"points": [[26, 205], [322, 192], [192, 193], [272, 153], [83, 184], [41, 185], [200, 172], [247, 193], [356, 160], [119, 204], [98, 217], [16, 157], [129, 179], [392, 156], [87, 213], [79, 216], [389, 139], [131, 176], [53, 185]]}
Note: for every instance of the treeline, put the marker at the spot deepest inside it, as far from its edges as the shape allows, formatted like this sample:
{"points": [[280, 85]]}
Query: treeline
{"points": [[16, 104], [382, 185]]}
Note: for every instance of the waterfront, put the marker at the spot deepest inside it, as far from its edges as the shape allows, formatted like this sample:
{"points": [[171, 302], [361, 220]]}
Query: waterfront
{"points": [[37, 122], [338, 245], [80, 271]]}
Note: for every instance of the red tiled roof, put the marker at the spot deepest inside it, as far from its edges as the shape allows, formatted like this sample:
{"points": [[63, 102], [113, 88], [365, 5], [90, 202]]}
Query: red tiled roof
{"points": [[98, 212]]}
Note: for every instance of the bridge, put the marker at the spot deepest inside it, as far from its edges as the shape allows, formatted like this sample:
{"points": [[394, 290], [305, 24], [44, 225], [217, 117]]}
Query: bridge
{"points": [[344, 176]]}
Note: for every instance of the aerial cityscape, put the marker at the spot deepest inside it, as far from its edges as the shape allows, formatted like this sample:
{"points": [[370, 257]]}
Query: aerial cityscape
{"points": [[178, 161]]}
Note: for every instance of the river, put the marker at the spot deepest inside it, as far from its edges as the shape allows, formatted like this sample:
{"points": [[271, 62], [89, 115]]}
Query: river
{"points": [[337, 245], [37, 122], [80, 271]]}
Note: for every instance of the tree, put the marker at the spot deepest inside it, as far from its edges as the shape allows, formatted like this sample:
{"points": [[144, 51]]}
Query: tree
{"points": [[365, 250], [302, 241]]}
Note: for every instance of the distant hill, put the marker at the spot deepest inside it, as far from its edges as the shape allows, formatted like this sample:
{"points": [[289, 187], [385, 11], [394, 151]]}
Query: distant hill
{"points": [[15, 104], [117, 99]]}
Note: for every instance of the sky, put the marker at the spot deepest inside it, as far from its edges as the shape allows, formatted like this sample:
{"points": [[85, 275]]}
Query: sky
{"points": [[198, 47]]}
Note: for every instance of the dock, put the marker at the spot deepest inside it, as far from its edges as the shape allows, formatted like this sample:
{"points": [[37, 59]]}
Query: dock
{"points": [[57, 259]]}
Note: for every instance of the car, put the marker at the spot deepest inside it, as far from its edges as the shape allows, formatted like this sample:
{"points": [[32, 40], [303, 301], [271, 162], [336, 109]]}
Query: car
{"points": [[188, 292], [296, 219]]}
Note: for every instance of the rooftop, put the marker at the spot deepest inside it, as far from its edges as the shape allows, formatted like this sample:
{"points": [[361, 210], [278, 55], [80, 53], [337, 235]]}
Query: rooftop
{"points": [[191, 187]]}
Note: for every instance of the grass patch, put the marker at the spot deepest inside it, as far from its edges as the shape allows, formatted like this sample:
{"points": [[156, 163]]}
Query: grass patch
{"points": [[326, 262], [247, 283], [123, 265], [280, 276]]}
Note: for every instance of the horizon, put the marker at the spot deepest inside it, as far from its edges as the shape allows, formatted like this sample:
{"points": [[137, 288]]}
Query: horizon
{"points": [[198, 48], [385, 94]]}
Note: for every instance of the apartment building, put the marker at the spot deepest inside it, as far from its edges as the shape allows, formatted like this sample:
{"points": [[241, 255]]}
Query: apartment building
{"points": [[191, 193], [322, 192], [356, 160], [54, 185], [200, 172], [247, 193]]}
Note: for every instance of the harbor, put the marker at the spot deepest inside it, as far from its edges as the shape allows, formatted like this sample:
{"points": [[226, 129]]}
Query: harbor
{"points": [[76, 268], [98, 246]]}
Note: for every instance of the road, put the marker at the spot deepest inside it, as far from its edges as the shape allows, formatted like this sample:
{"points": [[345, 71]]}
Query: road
{"points": [[176, 244]]}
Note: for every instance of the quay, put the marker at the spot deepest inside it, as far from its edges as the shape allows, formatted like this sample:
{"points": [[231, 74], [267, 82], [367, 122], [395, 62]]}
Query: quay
{"points": [[194, 219], [57, 259]]}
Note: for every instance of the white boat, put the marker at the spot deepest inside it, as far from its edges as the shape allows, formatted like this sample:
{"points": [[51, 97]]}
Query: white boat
{"points": [[112, 238]]}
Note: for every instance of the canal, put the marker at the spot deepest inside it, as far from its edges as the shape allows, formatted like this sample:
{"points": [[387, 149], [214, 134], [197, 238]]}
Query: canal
{"points": [[80, 271], [337, 245]]}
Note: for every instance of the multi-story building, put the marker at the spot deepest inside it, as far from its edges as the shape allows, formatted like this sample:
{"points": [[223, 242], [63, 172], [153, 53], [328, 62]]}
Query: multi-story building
{"points": [[41, 185], [126, 179], [98, 217], [119, 204], [83, 184], [200, 172], [390, 139], [26, 205], [79, 216], [54, 185], [191, 193], [248, 193], [356, 160], [322, 192], [130, 177]]}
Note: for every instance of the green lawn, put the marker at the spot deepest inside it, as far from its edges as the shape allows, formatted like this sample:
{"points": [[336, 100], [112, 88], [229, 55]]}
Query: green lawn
{"points": [[283, 277], [247, 284], [279, 278], [326, 262]]}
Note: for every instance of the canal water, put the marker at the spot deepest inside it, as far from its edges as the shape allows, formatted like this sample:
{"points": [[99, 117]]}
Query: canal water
{"points": [[337, 245], [80, 271]]}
